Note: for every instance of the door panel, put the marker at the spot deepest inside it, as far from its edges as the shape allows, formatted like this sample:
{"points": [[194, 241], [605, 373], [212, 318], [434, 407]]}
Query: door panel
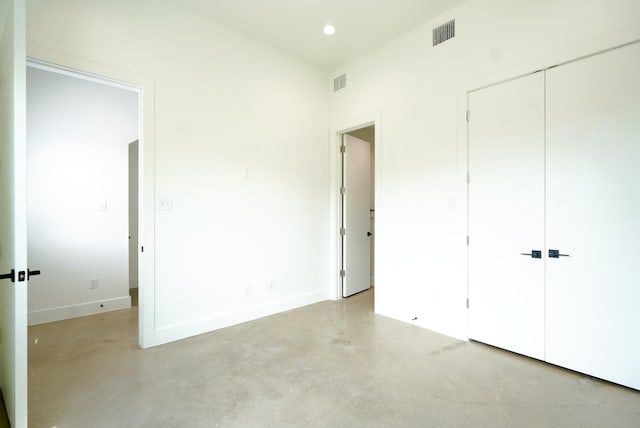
{"points": [[593, 177], [357, 202], [13, 249], [506, 215]]}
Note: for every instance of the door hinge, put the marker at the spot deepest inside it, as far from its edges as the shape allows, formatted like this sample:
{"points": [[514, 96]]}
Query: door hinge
{"points": [[467, 303], [343, 190], [343, 149], [467, 239], [468, 178], [342, 273], [468, 115], [343, 231]]}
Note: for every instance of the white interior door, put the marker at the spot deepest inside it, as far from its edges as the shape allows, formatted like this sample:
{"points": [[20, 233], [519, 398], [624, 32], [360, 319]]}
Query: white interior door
{"points": [[506, 215], [356, 216], [133, 214], [13, 242], [593, 188]]}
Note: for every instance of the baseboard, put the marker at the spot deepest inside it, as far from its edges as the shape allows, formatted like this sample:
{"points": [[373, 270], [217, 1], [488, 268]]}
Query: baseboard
{"points": [[73, 311], [217, 321]]}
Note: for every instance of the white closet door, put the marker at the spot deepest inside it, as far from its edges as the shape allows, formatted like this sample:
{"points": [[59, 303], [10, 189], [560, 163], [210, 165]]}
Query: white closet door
{"points": [[593, 188], [506, 215]]}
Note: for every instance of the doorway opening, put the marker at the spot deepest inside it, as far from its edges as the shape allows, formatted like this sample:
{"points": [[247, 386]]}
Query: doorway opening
{"points": [[83, 138], [357, 210]]}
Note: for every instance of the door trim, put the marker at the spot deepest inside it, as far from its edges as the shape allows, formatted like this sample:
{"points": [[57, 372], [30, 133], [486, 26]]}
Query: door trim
{"points": [[335, 177], [145, 86]]}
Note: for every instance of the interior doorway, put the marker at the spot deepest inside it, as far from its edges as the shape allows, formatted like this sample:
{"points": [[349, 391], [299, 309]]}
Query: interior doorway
{"points": [[79, 133], [357, 209]]}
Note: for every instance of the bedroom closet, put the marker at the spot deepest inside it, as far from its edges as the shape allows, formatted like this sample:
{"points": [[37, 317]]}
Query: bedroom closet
{"points": [[554, 215]]}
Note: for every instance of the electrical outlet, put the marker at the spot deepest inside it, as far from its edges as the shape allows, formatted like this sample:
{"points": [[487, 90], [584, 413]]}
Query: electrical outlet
{"points": [[93, 283], [166, 204], [271, 285], [247, 289]]}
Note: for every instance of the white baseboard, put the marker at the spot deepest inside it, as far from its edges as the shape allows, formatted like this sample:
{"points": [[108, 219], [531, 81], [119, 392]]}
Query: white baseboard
{"points": [[73, 311], [217, 321]]}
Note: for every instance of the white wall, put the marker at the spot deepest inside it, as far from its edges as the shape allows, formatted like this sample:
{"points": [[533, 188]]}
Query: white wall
{"points": [[419, 93], [77, 155], [224, 105]]}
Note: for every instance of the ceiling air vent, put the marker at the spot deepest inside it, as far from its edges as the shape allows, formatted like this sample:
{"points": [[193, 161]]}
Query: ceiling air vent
{"points": [[444, 32], [339, 82]]}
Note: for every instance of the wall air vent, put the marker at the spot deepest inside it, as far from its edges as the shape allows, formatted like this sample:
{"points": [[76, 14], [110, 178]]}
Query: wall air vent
{"points": [[444, 32], [339, 82]]}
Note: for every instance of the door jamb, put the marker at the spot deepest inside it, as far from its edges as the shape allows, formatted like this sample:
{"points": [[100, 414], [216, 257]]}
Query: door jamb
{"points": [[335, 206], [144, 86]]}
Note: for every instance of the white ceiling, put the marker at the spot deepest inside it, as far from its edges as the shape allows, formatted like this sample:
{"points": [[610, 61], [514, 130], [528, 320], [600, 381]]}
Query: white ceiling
{"points": [[295, 26]]}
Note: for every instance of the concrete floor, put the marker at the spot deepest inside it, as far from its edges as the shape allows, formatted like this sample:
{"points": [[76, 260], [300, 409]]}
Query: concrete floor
{"points": [[332, 364]]}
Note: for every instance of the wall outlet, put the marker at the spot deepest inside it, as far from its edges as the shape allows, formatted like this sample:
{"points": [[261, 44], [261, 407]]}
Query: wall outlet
{"points": [[93, 283], [166, 204], [247, 289], [271, 285], [102, 205]]}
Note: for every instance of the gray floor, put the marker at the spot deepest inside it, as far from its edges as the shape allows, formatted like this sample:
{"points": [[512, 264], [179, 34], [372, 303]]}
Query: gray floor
{"points": [[333, 364]]}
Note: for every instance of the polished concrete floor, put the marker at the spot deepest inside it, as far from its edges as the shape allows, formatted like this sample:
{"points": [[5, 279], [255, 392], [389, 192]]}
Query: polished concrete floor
{"points": [[332, 364]]}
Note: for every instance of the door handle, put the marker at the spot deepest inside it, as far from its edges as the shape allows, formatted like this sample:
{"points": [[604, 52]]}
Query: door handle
{"points": [[368, 233], [11, 275], [535, 254], [555, 254], [31, 273]]}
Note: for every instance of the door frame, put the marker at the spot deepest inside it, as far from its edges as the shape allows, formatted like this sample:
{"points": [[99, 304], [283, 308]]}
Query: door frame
{"points": [[335, 203], [144, 86]]}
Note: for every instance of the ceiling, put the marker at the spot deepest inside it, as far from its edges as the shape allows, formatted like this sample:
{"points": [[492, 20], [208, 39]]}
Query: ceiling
{"points": [[295, 26]]}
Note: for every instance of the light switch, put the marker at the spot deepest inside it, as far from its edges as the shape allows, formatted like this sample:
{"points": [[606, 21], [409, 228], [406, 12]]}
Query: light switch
{"points": [[452, 204], [102, 205]]}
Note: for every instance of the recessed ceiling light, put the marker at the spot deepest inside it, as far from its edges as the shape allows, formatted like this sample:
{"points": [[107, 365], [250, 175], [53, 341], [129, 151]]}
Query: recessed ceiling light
{"points": [[329, 30]]}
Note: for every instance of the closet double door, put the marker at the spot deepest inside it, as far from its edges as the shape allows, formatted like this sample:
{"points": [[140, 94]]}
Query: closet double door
{"points": [[554, 215]]}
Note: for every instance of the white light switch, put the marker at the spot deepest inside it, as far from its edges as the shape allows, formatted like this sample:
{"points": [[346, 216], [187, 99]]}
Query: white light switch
{"points": [[102, 205], [166, 204], [452, 204]]}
